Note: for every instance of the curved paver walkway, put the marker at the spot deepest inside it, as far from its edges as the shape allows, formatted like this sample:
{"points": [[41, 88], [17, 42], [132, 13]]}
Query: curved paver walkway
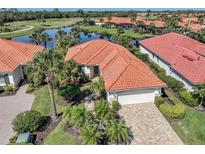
{"points": [[10, 106], [148, 125]]}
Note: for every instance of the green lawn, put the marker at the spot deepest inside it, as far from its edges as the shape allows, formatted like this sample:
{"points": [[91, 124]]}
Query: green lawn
{"points": [[113, 31], [50, 23], [191, 129], [42, 101], [59, 137]]}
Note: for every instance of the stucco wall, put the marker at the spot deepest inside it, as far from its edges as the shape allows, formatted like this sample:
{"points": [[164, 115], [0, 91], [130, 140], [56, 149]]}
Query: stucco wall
{"points": [[167, 68]]}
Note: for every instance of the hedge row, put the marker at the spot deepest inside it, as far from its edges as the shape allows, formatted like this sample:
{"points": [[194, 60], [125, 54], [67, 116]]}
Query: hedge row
{"points": [[173, 111]]}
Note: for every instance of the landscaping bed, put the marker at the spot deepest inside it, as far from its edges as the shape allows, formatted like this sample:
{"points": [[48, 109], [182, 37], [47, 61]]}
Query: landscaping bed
{"points": [[190, 128]]}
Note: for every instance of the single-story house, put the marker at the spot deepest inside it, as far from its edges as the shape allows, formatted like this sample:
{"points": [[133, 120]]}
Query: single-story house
{"points": [[127, 79], [13, 56], [182, 57], [126, 22], [118, 21]]}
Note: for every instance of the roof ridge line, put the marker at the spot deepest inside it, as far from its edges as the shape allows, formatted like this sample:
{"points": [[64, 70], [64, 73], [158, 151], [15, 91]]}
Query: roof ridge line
{"points": [[83, 48], [106, 45], [112, 58], [119, 76]]}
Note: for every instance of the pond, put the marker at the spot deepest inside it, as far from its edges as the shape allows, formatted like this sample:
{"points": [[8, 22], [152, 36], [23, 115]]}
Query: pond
{"points": [[51, 32]]}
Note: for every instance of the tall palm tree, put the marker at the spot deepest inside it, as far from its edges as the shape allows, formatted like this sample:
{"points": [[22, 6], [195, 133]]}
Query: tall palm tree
{"points": [[35, 38], [45, 39], [60, 33], [109, 18], [90, 134], [46, 66], [117, 132]]}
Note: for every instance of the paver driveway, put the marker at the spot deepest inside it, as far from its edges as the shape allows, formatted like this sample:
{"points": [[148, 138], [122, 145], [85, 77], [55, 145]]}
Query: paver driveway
{"points": [[148, 125], [9, 107]]}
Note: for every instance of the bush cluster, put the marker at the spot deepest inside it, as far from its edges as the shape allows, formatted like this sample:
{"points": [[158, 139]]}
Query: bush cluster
{"points": [[188, 98], [9, 88], [173, 111], [158, 101], [28, 121], [141, 56], [69, 91]]}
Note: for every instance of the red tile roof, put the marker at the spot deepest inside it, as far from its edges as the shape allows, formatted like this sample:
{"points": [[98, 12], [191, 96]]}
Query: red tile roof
{"points": [[120, 69], [117, 20], [13, 54], [185, 55]]}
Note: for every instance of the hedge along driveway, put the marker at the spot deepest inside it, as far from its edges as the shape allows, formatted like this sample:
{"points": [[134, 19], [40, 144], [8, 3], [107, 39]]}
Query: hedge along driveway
{"points": [[10, 106]]}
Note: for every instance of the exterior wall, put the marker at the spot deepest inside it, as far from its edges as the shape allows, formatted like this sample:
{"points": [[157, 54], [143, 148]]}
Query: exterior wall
{"points": [[156, 59], [133, 96], [16, 77], [2, 81], [169, 71], [187, 84]]}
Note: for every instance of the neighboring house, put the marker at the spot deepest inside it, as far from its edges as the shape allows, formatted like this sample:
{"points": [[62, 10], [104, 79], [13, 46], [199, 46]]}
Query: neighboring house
{"points": [[126, 22], [182, 57], [13, 56], [118, 21], [127, 79]]}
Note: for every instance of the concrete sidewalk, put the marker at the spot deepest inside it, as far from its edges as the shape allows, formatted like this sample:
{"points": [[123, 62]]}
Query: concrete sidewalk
{"points": [[10, 106]]}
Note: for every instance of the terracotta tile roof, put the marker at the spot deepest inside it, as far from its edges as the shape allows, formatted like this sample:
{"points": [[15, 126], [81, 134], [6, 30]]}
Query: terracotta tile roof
{"points": [[185, 55], [13, 54], [117, 20], [195, 27], [120, 69]]}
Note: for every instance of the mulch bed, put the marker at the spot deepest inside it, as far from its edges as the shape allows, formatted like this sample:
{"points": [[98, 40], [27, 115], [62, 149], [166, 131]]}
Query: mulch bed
{"points": [[47, 129]]}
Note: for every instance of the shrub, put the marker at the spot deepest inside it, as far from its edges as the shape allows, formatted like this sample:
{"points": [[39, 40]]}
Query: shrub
{"points": [[69, 91], [28, 121], [173, 111], [30, 88], [188, 98], [157, 68], [171, 82], [9, 88], [115, 106], [141, 56], [158, 101]]}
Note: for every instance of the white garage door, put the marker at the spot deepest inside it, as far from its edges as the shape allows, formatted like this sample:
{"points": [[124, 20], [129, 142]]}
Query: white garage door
{"points": [[134, 97]]}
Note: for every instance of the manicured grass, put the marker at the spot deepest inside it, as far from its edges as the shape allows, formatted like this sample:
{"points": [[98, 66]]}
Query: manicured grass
{"points": [[50, 23], [191, 129], [42, 101], [113, 31], [59, 137]]}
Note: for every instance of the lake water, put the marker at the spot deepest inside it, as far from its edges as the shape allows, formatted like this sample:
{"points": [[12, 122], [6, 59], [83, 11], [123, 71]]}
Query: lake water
{"points": [[51, 32]]}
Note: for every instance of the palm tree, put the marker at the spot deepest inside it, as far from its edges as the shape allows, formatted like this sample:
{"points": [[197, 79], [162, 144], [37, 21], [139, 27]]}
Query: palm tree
{"points": [[79, 116], [59, 34], [90, 134], [117, 132], [35, 38], [98, 87], [109, 18], [45, 39], [101, 20], [46, 66]]}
